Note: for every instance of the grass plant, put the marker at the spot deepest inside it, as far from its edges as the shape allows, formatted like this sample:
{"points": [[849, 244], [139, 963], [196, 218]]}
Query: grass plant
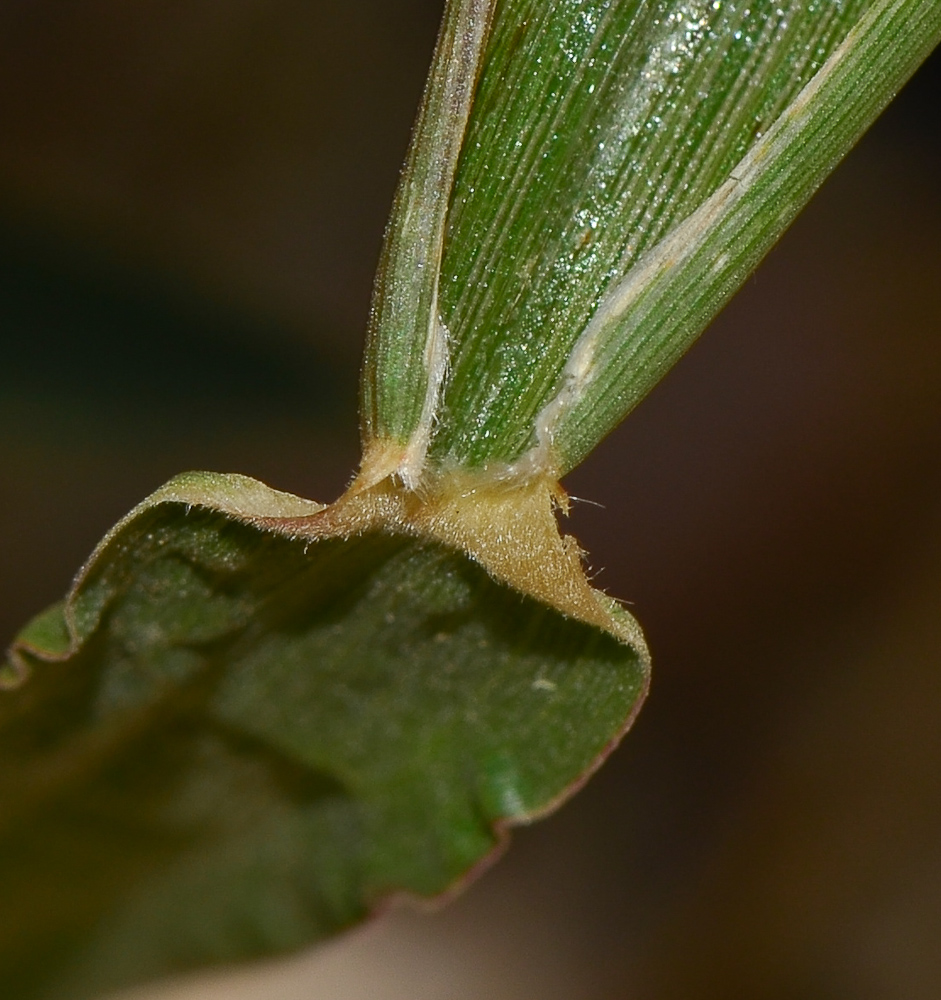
{"points": [[255, 718]]}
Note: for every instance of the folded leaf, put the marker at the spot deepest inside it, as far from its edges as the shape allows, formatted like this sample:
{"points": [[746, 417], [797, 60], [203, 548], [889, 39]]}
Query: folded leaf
{"points": [[626, 165]]}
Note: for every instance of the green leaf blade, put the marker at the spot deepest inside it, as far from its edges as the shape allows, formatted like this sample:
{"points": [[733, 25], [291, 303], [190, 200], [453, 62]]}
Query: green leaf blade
{"points": [[598, 128], [697, 268], [256, 739]]}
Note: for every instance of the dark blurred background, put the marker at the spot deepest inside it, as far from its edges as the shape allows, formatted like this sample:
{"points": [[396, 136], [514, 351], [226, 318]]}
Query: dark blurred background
{"points": [[192, 197]]}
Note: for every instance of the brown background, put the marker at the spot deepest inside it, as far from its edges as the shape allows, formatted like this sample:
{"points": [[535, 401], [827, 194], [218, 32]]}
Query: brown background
{"points": [[192, 197]]}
